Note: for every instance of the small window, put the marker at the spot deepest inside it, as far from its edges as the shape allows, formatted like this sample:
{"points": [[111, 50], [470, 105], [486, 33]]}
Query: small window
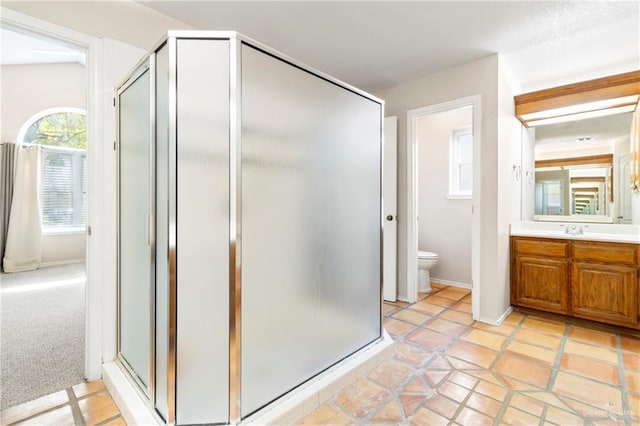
{"points": [[63, 135], [461, 163]]}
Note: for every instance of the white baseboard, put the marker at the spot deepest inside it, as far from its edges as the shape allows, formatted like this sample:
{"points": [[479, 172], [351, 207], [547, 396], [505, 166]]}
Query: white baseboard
{"points": [[451, 283], [62, 262], [500, 320]]}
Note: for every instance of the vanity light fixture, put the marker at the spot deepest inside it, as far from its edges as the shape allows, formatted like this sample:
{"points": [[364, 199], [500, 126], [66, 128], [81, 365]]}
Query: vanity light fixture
{"points": [[615, 94]]}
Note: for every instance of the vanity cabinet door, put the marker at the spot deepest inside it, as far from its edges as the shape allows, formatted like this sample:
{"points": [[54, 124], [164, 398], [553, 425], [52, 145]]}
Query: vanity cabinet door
{"points": [[540, 283], [607, 293]]}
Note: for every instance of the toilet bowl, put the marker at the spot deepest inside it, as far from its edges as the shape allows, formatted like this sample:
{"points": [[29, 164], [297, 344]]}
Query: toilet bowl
{"points": [[426, 260]]}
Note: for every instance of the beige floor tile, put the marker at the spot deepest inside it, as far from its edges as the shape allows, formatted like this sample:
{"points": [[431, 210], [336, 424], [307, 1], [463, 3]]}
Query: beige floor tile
{"points": [[390, 374], [361, 398], [426, 417], [503, 329], [417, 385], [590, 368], [513, 416], [491, 390], [326, 415], [599, 395], [596, 352], [523, 369], [388, 309], [633, 381], [545, 326], [472, 353], [429, 339], [468, 416], [410, 402], [549, 341], [411, 316], [526, 403], [399, 328], [484, 404], [546, 356], [436, 376], [28, 409], [445, 327], [428, 307], [462, 307], [62, 416], [450, 294], [457, 316], [463, 379], [441, 405], [438, 285], [562, 417], [97, 408], [390, 413], [630, 343], [631, 361], [453, 391], [440, 301], [634, 405], [484, 338], [411, 354], [593, 337], [119, 421], [514, 318], [83, 389]]}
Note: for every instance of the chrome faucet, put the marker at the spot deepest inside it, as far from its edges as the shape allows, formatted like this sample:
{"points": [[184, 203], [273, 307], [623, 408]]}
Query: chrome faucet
{"points": [[573, 230]]}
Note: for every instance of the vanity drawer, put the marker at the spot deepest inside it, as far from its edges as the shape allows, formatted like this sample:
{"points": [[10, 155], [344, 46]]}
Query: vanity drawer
{"points": [[620, 253], [540, 247]]}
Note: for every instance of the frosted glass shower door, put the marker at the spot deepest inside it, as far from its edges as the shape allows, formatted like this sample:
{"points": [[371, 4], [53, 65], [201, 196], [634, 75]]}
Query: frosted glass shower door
{"points": [[311, 282], [135, 237]]}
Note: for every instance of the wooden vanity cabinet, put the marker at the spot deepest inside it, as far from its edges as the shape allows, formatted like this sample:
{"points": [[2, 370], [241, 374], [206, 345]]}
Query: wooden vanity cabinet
{"points": [[604, 282], [540, 274], [586, 279]]}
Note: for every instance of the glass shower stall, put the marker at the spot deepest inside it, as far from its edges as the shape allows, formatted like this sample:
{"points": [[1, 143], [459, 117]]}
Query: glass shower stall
{"points": [[249, 225]]}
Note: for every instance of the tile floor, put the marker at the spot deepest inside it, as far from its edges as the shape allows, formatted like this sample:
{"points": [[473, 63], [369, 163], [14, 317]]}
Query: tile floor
{"points": [[531, 370], [85, 404], [447, 370]]}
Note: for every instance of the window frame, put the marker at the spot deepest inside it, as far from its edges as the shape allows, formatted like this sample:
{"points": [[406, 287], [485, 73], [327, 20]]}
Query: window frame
{"points": [[68, 229], [455, 162]]}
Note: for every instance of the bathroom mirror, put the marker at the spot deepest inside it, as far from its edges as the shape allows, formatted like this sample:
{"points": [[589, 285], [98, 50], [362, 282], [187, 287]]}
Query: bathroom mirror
{"points": [[582, 170]]}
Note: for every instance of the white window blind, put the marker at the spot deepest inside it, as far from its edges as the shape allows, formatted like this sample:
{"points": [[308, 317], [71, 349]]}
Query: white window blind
{"points": [[461, 163], [64, 188]]}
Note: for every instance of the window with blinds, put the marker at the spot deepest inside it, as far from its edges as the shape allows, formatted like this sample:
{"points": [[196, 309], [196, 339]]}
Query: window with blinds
{"points": [[64, 188], [62, 134]]}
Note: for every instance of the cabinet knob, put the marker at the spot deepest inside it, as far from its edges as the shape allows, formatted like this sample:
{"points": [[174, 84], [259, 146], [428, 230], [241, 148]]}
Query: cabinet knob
{"points": [[389, 218]]}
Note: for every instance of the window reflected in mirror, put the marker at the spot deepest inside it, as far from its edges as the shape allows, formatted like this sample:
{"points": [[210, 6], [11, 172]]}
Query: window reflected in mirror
{"points": [[582, 169]]}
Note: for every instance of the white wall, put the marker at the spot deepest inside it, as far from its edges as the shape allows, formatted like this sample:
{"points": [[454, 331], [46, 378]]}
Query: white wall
{"points": [[444, 225], [26, 91], [497, 159], [29, 89]]}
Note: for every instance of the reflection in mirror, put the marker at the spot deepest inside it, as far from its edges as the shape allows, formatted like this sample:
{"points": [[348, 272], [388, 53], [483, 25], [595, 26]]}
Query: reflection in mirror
{"points": [[582, 170]]}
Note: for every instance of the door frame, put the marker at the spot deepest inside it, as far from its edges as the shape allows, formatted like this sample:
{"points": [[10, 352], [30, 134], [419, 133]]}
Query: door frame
{"points": [[412, 195], [13, 20]]}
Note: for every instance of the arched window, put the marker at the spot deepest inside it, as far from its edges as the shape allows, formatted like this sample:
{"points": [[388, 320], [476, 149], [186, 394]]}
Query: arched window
{"points": [[62, 132]]}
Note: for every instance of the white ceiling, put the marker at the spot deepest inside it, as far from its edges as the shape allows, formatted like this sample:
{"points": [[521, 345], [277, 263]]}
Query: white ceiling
{"points": [[378, 44], [18, 48]]}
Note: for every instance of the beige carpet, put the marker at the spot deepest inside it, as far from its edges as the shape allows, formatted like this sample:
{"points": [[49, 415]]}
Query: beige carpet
{"points": [[42, 332]]}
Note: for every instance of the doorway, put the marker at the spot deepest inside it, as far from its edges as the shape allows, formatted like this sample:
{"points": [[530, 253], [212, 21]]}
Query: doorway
{"points": [[61, 269], [468, 191]]}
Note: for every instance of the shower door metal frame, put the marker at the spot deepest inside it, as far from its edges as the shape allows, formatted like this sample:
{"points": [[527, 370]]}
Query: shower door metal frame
{"points": [[146, 65]]}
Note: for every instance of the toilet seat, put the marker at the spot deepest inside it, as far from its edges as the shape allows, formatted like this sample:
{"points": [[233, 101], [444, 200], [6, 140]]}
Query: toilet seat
{"points": [[427, 255]]}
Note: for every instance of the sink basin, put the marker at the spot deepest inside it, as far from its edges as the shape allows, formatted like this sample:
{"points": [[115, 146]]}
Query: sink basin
{"points": [[577, 231]]}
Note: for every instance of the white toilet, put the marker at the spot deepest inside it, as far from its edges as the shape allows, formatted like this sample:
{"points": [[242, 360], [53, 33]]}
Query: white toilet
{"points": [[426, 260]]}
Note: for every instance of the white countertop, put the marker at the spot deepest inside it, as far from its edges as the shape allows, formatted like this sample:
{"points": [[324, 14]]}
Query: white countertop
{"points": [[590, 231]]}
